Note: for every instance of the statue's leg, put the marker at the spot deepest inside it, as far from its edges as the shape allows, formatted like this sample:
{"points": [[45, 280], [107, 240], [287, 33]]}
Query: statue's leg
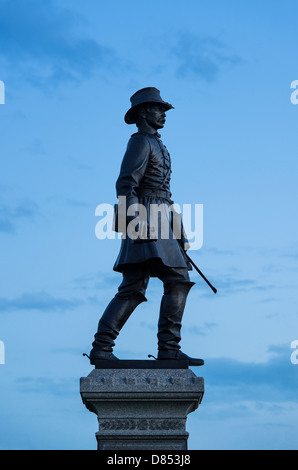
{"points": [[130, 294], [176, 289], [171, 312]]}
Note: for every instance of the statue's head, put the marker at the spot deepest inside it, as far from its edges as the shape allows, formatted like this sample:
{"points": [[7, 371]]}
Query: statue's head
{"points": [[152, 114], [147, 105]]}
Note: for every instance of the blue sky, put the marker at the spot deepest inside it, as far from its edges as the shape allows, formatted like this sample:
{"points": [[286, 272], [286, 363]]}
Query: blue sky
{"points": [[69, 68]]}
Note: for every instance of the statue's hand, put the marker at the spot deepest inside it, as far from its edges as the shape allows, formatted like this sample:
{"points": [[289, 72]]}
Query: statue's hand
{"points": [[144, 233]]}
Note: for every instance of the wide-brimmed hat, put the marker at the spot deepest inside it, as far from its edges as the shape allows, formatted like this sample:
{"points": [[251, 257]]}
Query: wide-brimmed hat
{"points": [[145, 95]]}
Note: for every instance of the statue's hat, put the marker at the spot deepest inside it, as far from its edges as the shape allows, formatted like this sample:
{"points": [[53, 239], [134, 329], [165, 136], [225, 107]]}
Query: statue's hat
{"points": [[145, 95]]}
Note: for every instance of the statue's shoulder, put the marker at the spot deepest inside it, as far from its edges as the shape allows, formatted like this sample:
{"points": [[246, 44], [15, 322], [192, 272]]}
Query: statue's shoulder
{"points": [[139, 139], [141, 136]]}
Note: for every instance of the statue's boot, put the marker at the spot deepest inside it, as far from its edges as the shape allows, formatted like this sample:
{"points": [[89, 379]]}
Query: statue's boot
{"points": [[170, 323], [112, 321]]}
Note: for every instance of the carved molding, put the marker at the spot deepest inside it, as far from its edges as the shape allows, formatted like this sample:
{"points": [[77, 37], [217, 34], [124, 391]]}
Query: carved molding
{"points": [[142, 424]]}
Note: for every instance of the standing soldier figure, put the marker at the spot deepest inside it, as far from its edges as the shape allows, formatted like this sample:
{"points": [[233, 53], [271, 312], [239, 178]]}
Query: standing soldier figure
{"points": [[145, 179]]}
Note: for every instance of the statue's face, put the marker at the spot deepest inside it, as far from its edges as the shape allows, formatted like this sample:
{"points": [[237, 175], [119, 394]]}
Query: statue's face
{"points": [[155, 115]]}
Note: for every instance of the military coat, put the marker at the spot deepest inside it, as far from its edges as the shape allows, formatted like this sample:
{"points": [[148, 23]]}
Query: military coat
{"points": [[144, 178]]}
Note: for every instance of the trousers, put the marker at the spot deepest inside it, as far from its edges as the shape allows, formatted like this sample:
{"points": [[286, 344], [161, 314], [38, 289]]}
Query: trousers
{"points": [[131, 293]]}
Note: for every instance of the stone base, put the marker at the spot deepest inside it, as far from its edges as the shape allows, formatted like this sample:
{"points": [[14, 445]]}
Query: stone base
{"points": [[142, 409], [147, 443]]}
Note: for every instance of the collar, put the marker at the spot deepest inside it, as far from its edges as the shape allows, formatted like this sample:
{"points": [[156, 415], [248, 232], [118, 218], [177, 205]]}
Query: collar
{"points": [[148, 130]]}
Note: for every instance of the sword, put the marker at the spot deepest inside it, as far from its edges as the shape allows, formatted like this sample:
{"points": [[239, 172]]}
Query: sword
{"points": [[200, 273]]}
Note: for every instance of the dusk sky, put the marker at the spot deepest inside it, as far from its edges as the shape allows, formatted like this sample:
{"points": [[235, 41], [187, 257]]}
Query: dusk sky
{"points": [[69, 68]]}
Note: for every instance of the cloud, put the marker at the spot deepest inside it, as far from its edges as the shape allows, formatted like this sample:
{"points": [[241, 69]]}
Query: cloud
{"points": [[270, 382], [41, 302], [99, 280], [44, 385], [36, 147], [227, 285], [220, 252], [202, 56], [77, 204], [11, 215], [199, 331], [40, 43], [236, 285]]}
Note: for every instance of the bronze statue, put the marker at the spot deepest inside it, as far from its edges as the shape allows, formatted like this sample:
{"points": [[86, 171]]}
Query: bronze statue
{"points": [[145, 179]]}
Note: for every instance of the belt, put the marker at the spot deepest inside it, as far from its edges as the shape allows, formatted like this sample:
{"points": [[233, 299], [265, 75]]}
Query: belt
{"points": [[160, 193]]}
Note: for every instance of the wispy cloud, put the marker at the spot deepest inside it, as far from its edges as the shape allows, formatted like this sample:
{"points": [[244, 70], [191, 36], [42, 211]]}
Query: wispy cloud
{"points": [[273, 381], [10, 216], [199, 331], [202, 56], [45, 385], [35, 147], [41, 302], [40, 43], [229, 285], [97, 281], [77, 204]]}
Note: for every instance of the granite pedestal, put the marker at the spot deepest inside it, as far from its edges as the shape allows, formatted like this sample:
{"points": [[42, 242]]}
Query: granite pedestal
{"points": [[144, 407]]}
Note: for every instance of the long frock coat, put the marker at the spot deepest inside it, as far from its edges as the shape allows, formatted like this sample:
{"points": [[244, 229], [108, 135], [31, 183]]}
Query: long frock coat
{"points": [[144, 178]]}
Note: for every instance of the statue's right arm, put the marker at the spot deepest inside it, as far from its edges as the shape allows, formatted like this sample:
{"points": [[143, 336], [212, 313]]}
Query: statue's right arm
{"points": [[133, 168]]}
